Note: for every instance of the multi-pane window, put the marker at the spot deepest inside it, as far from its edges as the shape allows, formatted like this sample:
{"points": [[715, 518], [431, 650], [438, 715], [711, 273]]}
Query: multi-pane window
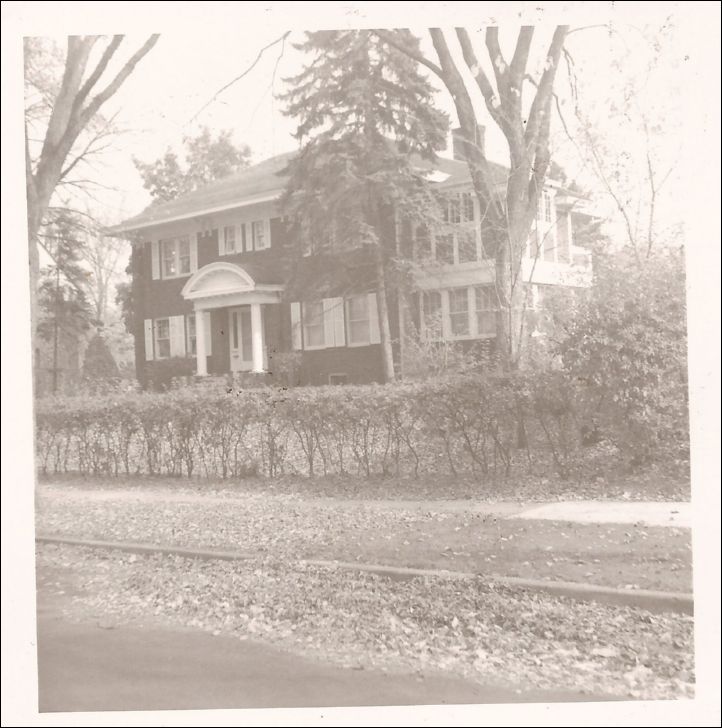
{"points": [[191, 334], [485, 310], [467, 207], [168, 248], [445, 248], [359, 331], [162, 338], [229, 239], [258, 234], [432, 315], [313, 326], [459, 312], [184, 255], [466, 241], [176, 256], [544, 211]]}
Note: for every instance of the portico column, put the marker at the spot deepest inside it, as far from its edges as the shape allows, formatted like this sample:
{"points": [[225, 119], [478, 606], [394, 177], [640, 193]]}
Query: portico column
{"points": [[201, 365], [257, 337]]}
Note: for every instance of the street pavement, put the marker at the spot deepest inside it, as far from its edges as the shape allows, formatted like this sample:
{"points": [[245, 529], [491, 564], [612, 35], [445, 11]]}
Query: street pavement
{"points": [[87, 663]]}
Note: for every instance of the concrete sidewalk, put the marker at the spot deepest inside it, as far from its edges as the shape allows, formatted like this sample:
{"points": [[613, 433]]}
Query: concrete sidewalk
{"points": [[676, 515]]}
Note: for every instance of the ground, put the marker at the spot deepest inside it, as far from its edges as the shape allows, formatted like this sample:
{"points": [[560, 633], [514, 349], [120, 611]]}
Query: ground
{"points": [[473, 632]]}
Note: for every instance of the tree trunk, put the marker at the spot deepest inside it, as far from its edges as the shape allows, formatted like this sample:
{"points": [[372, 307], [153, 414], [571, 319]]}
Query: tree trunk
{"points": [[383, 311]]}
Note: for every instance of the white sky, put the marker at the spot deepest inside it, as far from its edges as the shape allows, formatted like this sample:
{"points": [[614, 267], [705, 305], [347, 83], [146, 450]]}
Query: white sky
{"points": [[159, 103]]}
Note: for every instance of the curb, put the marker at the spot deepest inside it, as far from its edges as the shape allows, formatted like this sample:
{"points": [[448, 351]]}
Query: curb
{"points": [[653, 601]]}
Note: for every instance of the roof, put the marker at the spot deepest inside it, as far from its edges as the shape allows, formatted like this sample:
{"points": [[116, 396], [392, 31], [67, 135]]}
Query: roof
{"points": [[264, 182]]}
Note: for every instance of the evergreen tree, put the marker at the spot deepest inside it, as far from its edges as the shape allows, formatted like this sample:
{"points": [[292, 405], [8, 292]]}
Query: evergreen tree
{"points": [[99, 362], [365, 120]]}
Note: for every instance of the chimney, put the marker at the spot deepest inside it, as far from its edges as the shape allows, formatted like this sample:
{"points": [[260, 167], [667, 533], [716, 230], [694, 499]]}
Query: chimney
{"points": [[459, 143]]}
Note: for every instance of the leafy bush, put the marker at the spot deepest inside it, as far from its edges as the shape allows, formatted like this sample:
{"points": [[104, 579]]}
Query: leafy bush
{"points": [[461, 424]]}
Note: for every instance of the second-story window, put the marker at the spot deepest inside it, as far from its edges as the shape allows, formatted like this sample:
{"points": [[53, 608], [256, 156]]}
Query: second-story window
{"points": [[176, 256], [258, 235], [229, 239]]}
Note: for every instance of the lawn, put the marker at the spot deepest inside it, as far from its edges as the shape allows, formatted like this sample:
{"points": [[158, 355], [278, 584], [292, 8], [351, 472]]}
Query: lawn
{"points": [[287, 528]]}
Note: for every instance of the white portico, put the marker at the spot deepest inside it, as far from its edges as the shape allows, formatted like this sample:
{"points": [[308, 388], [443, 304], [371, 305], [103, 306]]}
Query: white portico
{"points": [[225, 285]]}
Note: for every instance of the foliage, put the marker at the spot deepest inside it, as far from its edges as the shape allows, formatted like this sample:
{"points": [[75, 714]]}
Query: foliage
{"points": [[206, 159], [464, 423], [627, 344], [99, 362]]}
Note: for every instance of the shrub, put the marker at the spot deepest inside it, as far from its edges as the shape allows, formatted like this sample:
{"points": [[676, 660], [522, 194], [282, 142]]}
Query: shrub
{"points": [[459, 425]]}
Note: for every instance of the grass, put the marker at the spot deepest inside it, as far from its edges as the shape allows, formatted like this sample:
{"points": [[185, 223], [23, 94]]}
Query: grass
{"points": [[288, 528]]}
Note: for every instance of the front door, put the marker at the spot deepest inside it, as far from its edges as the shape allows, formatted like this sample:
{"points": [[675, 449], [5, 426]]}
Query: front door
{"points": [[240, 329]]}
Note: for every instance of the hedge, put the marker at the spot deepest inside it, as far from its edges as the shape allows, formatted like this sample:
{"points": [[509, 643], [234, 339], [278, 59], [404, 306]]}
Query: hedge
{"points": [[487, 426]]}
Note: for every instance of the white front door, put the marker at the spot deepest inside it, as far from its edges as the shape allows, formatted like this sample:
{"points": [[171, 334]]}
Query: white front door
{"points": [[241, 341]]}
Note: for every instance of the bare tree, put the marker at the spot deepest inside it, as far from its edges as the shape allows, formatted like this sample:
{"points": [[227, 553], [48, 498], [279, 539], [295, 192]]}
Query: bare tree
{"points": [[72, 107], [506, 218]]}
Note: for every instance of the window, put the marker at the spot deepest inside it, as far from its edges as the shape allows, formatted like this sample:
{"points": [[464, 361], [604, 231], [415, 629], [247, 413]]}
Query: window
{"points": [[459, 311], [313, 326], [467, 207], [431, 314], [467, 246], [162, 338], [191, 334], [485, 310], [258, 234], [184, 255], [445, 249], [176, 257], [359, 331], [338, 378], [169, 262], [544, 211], [229, 239]]}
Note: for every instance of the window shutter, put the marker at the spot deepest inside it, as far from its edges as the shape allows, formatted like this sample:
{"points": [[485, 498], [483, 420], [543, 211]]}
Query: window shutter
{"points": [[296, 333], [176, 325], [207, 332], [339, 327], [155, 259], [374, 333], [194, 253], [241, 244], [221, 241], [148, 328], [328, 321]]}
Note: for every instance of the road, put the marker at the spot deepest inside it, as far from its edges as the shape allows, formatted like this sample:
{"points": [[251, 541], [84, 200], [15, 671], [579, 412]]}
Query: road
{"points": [[87, 663]]}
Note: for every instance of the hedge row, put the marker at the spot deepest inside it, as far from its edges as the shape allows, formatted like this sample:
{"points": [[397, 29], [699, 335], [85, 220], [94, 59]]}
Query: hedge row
{"points": [[466, 424]]}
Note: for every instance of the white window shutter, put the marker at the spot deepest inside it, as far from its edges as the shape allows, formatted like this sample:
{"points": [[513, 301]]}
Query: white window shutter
{"points": [[221, 241], [296, 333], [207, 332], [148, 328], [268, 232], [374, 332], [176, 325], [339, 327], [194, 252], [328, 323], [155, 259]]}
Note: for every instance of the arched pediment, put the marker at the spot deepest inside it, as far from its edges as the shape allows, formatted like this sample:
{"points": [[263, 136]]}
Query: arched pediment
{"points": [[218, 279]]}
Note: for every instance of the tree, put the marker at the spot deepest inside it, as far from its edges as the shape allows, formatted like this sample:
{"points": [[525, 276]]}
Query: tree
{"points": [[71, 108], [99, 362], [627, 344], [507, 217], [65, 313], [206, 159], [363, 111]]}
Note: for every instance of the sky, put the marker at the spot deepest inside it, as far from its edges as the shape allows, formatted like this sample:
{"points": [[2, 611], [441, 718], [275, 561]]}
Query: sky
{"points": [[170, 93]]}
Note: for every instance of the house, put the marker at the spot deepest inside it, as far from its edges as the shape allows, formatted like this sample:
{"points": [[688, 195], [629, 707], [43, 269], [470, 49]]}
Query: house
{"points": [[219, 285]]}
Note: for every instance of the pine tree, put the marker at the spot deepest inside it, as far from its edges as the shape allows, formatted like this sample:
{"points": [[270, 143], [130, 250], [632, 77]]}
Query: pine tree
{"points": [[366, 120]]}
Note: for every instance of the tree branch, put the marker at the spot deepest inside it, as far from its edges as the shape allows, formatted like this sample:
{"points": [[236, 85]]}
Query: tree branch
{"points": [[280, 39], [99, 69]]}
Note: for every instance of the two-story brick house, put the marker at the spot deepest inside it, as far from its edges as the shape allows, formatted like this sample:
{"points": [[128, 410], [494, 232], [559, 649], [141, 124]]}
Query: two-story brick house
{"points": [[218, 284]]}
